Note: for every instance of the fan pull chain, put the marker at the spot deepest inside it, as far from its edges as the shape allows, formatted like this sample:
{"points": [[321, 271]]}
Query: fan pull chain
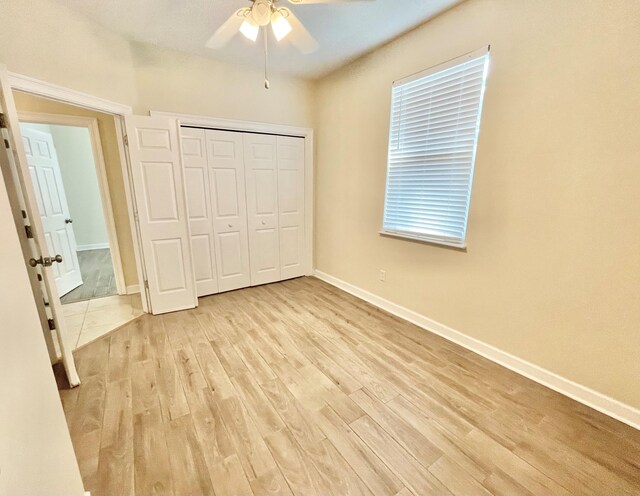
{"points": [[266, 58]]}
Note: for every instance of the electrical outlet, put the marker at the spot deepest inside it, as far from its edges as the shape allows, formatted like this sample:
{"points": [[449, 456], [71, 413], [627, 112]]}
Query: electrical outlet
{"points": [[383, 275]]}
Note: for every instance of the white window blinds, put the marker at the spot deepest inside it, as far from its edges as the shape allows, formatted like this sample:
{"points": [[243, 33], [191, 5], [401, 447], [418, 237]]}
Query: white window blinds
{"points": [[435, 119]]}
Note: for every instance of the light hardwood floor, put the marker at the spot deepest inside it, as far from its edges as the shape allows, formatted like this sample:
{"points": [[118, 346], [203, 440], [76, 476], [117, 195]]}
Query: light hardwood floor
{"points": [[299, 388], [98, 279]]}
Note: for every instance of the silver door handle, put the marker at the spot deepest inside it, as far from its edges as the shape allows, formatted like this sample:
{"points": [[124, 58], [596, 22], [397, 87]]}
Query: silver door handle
{"points": [[45, 261]]}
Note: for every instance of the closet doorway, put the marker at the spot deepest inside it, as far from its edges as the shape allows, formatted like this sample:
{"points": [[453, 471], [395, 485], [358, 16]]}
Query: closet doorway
{"points": [[245, 204], [221, 205]]}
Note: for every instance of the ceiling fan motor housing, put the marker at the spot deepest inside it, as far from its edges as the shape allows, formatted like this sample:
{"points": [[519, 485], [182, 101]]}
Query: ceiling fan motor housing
{"points": [[261, 12]]}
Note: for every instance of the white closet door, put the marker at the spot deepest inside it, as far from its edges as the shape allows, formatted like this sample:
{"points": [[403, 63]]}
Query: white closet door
{"points": [[261, 171], [159, 191], [228, 207], [196, 179], [291, 206]]}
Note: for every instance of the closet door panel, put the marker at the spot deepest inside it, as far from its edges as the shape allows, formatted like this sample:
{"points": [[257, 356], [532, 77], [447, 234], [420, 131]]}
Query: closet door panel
{"points": [[231, 248], [194, 156], [158, 180], [261, 171], [290, 153], [228, 207]]}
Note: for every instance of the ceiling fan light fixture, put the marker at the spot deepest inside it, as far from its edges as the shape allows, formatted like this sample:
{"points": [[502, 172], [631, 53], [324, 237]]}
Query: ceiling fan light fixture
{"points": [[280, 25], [249, 29]]}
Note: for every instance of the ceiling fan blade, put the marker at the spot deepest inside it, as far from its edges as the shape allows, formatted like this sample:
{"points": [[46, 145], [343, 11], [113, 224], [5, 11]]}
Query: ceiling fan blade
{"points": [[224, 33], [308, 2], [299, 36]]}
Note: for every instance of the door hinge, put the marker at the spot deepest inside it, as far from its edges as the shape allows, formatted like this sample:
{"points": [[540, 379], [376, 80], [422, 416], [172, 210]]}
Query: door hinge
{"points": [[6, 144], [3, 122], [24, 214], [52, 324], [39, 278], [29, 231], [146, 284], [126, 139]]}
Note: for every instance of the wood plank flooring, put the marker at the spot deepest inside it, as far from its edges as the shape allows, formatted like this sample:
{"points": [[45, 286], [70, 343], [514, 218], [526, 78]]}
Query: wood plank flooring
{"points": [[298, 388], [98, 279]]}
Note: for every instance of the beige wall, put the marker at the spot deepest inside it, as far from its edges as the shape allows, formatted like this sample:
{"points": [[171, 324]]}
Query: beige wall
{"points": [[48, 41], [109, 140], [175, 82], [552, 270], [36, 455]]}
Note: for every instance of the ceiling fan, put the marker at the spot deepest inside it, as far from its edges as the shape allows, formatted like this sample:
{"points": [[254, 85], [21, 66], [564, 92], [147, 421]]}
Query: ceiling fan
{"points": [[261, 14]]}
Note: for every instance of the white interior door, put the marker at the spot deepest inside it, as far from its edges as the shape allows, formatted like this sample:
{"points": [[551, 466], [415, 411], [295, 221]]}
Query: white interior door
{"points": [[37, 245], [53, 207], [196, 179], [291, 201], [261, 172], [228, 208], [156, 169]]}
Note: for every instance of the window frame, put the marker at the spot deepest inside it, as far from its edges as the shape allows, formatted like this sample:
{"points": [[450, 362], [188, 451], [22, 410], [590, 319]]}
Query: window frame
{"points": [[427, 238]]}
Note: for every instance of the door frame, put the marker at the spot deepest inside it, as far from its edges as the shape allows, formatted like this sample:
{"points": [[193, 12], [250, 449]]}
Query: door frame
{"points": [[267, 128], [58, 93], [91, 124]]}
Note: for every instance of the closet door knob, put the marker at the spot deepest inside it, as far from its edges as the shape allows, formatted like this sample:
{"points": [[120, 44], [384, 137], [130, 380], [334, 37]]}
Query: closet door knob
{"points": [[264, 222], [230, 225]]}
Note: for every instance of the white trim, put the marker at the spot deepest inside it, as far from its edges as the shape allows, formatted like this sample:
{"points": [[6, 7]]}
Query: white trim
{"points": [[67, 95], [93, 246], [598, 401], [267, 128], [476, 54], [133, 289], [234, 125], [422, 239], [133, 213], [91, 124]]}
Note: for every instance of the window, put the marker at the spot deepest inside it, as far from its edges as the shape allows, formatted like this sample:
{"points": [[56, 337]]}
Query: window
{"points": [[435, 120]]}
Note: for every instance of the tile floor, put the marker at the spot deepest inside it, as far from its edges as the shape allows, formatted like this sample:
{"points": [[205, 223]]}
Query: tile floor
{"points": [[88, 320]]}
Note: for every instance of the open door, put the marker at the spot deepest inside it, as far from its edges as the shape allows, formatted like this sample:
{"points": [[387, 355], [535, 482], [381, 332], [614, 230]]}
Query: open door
{"points": [[53, 207], [158, 183], [38, 256]]}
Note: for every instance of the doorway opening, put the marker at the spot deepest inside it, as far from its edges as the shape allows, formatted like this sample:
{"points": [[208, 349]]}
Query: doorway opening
{"points": [[66, 184], [75, 167]]}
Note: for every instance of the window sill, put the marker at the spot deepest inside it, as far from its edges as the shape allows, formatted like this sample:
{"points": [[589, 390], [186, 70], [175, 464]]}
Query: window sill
{"points": [[431, 241]]}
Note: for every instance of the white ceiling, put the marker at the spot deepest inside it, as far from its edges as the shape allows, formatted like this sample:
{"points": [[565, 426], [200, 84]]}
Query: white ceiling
{"points": [[344, 30]]}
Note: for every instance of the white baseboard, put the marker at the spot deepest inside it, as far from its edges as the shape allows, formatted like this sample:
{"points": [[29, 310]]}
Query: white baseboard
{"points": [[133, 289], [95, 246], [598, 401]]}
